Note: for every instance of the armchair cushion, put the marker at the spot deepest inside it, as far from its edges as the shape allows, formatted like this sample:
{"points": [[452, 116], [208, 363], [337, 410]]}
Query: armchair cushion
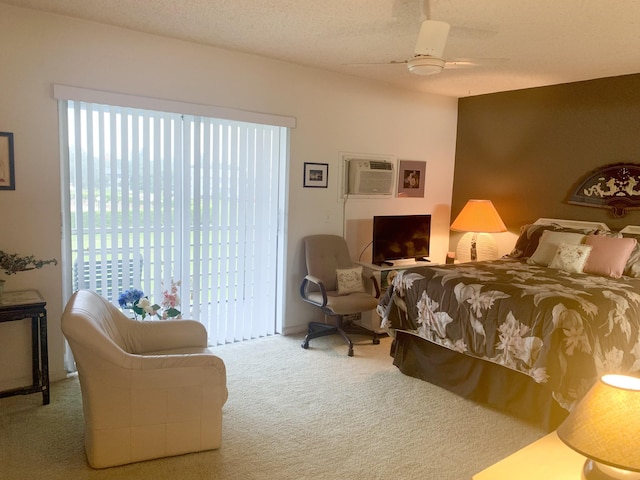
{"points": [[149, 389], [346, 304]]}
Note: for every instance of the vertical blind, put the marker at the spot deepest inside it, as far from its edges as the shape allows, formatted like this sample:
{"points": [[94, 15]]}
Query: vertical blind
{"points": [[155, 197]]}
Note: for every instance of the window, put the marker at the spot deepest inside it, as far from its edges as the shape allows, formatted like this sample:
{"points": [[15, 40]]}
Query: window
{"points": [[153, 197]]}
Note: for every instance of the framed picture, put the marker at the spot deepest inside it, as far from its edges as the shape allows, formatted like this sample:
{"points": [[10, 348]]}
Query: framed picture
{"points": [[316, 175], [411, 178], [7, 173]]}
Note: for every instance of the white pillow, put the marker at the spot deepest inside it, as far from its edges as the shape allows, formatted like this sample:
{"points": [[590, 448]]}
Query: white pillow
{"points": [[570, 257], [349, 280], [549, 243]]}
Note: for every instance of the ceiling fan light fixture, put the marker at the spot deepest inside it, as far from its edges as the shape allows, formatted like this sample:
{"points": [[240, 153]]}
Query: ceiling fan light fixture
{"points": [[425, 65]]}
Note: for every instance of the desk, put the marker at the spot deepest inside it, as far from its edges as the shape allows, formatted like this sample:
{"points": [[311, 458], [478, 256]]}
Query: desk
{"points": [[15, 306], [548, 459], [371, 320], [381, 272]]}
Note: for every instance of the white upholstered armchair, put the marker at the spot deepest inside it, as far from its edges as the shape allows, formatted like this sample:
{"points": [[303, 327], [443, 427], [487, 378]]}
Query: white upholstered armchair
{"points": [[149, 389]]}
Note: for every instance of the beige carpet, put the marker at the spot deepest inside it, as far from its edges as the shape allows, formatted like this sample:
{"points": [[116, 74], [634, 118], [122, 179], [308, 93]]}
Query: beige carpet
{"points": [[291, 414]]}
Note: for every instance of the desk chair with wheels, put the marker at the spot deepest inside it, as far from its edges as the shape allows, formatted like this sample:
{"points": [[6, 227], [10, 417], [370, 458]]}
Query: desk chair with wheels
{"points": [[337, 287]]}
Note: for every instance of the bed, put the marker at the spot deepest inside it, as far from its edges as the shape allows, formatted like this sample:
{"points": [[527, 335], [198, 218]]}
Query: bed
{"points": [[528, 333]]}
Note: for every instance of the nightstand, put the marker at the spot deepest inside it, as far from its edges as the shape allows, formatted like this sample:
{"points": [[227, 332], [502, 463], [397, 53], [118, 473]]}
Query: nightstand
{"points": [[545, 459]]}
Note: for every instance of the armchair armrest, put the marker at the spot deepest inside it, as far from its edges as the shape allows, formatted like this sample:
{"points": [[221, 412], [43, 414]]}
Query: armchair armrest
{"points": [[164, 361], [375, 285], [316, 281], [149, 336]]}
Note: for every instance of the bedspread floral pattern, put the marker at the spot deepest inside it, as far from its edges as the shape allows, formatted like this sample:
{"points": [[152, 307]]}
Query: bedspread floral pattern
{"points": [[562, 329]]}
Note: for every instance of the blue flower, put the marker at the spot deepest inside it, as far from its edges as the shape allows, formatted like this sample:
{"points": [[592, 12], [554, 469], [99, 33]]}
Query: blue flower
{"points": [[128, 298]]}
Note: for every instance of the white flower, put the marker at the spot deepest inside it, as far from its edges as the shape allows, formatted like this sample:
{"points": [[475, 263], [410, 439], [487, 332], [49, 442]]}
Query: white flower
{"points": [[609, 361], [432, 323], [572, 325], [511, 340], [144, 303], [539, 374]]}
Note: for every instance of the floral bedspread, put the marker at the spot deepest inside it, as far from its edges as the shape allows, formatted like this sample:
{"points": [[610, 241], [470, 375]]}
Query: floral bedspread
{"points": [[562, 329]]}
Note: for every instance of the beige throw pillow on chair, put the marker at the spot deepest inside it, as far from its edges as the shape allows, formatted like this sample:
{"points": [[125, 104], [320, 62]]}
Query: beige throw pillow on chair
{"points": [[350, 280]]}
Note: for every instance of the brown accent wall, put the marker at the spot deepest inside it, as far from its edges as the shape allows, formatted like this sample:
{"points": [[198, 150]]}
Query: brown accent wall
{"points": [[526, 150]]}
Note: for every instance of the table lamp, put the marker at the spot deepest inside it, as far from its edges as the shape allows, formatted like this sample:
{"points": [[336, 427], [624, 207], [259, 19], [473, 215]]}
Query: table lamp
{"points": [[479, 219], [605, 427]]}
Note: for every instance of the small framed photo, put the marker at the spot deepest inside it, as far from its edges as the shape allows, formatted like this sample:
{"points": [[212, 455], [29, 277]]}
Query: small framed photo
{"points": [[411, 178], [316, 175], [7, 172]]}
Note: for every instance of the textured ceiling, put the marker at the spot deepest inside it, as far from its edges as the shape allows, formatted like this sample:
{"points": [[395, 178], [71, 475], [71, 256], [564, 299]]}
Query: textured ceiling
{"points": [[513, 44]]}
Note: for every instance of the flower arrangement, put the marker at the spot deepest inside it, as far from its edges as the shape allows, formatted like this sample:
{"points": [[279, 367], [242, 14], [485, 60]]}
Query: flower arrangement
{"points": [[135, 300], [131, 299], [171, 300], [12, 263]]}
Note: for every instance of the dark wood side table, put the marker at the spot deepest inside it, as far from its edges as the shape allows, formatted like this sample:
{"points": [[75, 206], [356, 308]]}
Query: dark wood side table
{"points": [[22, 305]]}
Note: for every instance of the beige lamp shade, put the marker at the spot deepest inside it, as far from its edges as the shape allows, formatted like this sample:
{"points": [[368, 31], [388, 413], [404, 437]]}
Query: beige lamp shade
{"points": [[605, 425], [479, 218]]}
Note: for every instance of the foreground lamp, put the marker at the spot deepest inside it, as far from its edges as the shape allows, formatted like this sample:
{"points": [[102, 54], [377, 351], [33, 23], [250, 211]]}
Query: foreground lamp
{"points": [[479, 218], [605, 427]]}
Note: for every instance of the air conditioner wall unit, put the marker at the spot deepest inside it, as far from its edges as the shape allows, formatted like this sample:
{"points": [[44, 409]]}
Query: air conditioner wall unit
{"points": [[370, 177]]}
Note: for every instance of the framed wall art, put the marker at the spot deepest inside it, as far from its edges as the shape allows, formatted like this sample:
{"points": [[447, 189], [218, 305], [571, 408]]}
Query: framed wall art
{"points": [[316, 175], [611, 186], [411, 178], [7, 171]]}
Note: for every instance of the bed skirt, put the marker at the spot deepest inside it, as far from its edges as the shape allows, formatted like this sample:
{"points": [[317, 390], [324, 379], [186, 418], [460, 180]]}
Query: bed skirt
{"points": [[477, 380]]}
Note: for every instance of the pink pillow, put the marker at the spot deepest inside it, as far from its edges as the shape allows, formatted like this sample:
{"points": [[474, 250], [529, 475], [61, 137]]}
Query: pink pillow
{"points": [[608, 255]]}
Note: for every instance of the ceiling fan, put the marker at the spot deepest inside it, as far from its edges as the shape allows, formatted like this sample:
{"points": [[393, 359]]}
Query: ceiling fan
{"points": [[428, 53], [429, 48]]}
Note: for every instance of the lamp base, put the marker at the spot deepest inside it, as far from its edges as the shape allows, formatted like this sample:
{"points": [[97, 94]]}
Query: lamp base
{"points": [[597, 471], [476, 247]]}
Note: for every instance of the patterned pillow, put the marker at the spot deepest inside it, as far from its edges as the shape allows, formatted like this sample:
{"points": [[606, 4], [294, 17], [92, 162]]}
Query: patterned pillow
{"points": [[609, 255], [549, 242], [350, 280], [570, 257]]}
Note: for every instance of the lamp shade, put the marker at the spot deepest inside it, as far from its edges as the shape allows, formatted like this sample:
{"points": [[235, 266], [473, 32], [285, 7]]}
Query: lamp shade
{"points": [[479, 216], [605, 424]]}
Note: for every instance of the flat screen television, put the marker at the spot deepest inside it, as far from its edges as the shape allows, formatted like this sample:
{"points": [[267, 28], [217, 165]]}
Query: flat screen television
{"points": [[400, 237]]}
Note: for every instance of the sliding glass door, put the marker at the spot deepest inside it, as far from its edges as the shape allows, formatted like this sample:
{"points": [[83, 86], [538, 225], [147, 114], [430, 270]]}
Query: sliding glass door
{"points": [[156, 197]]}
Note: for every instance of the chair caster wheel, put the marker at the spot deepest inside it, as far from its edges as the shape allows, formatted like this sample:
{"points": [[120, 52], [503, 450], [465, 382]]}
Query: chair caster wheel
{"points": [[305, 345], [351, 352], [376, 341]]}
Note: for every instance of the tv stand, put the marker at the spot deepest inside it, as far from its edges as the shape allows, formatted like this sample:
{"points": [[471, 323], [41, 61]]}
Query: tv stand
{"points": [[407, 262], [371, 320], [403, 263], [381, 272]]}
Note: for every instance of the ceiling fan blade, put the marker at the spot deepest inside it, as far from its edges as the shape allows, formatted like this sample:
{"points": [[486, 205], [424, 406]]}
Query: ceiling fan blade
{"points": [[474, 62], [432, 38], [459, 64], [392, 62]]}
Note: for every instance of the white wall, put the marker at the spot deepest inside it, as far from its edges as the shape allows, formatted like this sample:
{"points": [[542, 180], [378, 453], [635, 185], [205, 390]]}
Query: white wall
{"points": [[334, 114]]}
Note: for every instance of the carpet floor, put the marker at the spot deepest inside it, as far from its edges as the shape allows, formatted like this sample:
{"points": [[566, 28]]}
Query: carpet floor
{"points": [[291, 414]]}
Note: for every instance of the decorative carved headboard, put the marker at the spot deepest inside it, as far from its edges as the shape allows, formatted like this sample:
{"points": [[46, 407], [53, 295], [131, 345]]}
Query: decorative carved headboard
{"points": [[573, 223]]}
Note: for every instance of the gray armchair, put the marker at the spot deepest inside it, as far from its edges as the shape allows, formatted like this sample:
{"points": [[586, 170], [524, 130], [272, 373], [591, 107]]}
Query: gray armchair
{"points": [[337, 287]]}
